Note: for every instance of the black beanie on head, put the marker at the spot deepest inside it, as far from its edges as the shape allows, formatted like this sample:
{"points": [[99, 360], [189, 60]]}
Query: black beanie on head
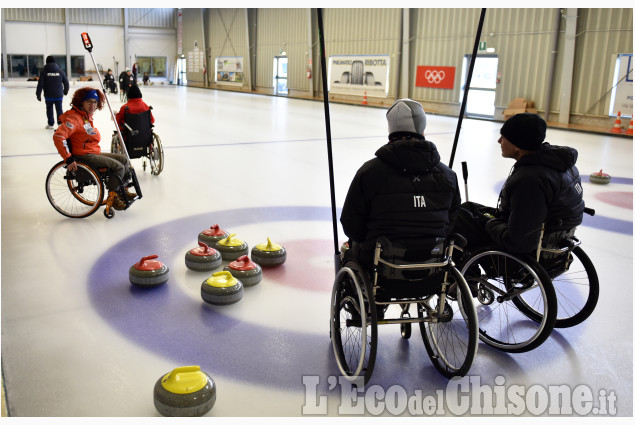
{"points": [[134, 92], [50, 59], [525, 131]]}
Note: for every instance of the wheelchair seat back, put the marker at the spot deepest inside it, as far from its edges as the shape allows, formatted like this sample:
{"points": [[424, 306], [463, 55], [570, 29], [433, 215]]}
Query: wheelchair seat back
{"points": [[140, 138], [411, 272], [554, 250]]}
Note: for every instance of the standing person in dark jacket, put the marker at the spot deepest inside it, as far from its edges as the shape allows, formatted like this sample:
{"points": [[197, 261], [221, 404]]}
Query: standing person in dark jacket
{"points": [[125, 80], [543, 187], [55, 85], [405, 194]]}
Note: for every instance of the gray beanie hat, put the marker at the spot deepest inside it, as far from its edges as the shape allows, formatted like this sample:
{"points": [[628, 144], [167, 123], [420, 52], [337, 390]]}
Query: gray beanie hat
{"points": [[406, 115]]}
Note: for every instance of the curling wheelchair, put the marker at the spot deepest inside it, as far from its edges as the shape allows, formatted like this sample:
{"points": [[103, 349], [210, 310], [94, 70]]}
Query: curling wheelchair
{"points": [[78, 194], [521, 298], [141, 141], [425, 278]]}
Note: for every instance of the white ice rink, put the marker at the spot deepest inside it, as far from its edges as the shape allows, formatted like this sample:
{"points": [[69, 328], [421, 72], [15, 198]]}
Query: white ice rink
{"points": [[78, 340]]}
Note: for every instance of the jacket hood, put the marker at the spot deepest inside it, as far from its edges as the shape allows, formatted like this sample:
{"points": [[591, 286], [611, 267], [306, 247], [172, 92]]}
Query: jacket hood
{"points": [[559, 158], [412, 155], [51, 66]]}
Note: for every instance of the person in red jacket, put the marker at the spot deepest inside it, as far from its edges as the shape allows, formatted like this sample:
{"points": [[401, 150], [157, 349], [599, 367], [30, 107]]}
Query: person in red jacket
{"points": [[135, 105], [76, 138]]}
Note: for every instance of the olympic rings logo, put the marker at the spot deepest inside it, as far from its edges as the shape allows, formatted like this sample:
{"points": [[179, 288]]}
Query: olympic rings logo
{"points": [[434, 76]]}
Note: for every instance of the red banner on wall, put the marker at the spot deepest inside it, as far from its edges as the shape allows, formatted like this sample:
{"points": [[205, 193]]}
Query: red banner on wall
{"points": [[439, 77]]}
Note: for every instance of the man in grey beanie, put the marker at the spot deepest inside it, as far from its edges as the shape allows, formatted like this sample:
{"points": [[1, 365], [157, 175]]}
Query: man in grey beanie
{"points": [[405, 193], [544, 186]]}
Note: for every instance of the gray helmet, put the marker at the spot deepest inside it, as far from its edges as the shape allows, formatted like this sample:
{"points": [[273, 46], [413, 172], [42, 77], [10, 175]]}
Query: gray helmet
{"points": [[406, 115]]}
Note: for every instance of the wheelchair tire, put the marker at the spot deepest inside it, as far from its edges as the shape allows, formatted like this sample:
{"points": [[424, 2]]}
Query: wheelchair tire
{"points": [[155, 155], [519, 289], [452, 341], [577, 289], [353, 324], [75, 195]]}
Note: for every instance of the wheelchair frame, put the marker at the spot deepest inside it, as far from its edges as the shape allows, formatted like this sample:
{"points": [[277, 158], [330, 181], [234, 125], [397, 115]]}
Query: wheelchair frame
{"points": [[79, 194], [565, 292], [447, 322], [154, 152]]}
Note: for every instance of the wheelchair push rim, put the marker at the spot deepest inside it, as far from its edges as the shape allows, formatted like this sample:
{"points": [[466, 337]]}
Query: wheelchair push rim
{"points": [[75, 195], [451, 341], [519, 311], [353, 326]]}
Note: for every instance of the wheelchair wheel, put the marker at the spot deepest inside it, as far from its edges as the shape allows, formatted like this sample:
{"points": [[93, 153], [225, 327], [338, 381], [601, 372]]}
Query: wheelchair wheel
{"points": [[510, 291], [451, 340], [155, 156], [74, 194], [123, 96], [353, 324], [577, 289]]}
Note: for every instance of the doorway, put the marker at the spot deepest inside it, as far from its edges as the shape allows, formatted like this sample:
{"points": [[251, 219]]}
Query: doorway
{"points": [[482, 96], [181, 71], [280, 75]]}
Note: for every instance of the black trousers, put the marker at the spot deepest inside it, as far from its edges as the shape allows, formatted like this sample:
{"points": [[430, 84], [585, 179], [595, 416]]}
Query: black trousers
{"points": [[471, 226]]}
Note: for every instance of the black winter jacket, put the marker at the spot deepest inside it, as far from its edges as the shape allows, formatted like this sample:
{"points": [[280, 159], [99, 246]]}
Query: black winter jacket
{"points": [[53, 81], [544, 187], [405, 194]]}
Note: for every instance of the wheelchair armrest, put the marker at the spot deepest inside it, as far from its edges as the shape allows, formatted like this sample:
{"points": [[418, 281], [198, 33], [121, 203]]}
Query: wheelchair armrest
{"points": [[589, 211]]}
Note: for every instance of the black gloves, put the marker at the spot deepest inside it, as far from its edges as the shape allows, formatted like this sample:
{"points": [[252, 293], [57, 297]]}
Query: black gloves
{"points": [[39, 98], [70, 160]]}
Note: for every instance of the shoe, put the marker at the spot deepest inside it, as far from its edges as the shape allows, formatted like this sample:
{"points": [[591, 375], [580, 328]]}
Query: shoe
{"points": [[130, 195], [117, 202], [50, 127]]}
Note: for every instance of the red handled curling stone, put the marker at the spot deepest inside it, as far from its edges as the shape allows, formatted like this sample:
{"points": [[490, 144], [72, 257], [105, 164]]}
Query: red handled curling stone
{"points": [[269, 254], [212, 235], [186, 391], [245, 270], [231, 248], [148, 272], [203, 258], [600, 178], [221, 289]]}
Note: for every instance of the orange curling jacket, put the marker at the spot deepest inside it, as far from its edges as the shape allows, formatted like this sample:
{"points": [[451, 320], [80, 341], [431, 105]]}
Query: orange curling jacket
{"points": [[77, 130], [135, 106]]}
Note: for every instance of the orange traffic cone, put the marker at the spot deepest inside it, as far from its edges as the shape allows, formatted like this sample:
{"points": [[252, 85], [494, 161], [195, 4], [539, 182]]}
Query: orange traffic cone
{"points": [[365, 100], [630, 128], [617, 126]]}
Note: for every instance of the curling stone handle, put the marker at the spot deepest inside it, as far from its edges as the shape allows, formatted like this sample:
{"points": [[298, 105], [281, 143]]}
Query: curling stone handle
{"points": [[149, 257]]}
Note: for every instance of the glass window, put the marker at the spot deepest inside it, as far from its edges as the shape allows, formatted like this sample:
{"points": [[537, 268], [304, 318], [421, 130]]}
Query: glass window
{"points": [[17, 64], [36, 63], [158, 66], [77, 66], [145, 65], [61, 62]]}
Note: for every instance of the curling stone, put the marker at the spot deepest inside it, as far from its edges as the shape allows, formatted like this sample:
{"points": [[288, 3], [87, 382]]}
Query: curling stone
{"points": [[222, 288], [269, 254], [203, 258], [148, 272], [186, 391], [212, 235], [231, 248], [600, 178], [245, 270]]}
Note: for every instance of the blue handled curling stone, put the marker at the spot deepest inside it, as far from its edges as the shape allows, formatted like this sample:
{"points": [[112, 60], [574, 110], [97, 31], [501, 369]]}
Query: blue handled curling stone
{"points": [[231, 248], [148, 272], [203, 258], [269, 254], [222, 289], [212, 235], [186, 391], [245, 270]]}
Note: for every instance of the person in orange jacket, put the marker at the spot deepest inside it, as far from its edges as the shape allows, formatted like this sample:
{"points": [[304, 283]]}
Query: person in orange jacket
{"points": [[135, 105], [76, 138]]}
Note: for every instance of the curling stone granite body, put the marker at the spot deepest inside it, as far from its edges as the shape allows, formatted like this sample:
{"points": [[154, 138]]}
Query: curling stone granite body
{"points": [[212, 235], [203, 258], [245, 270], [231, 248], [269, 254], [186, 391], [221, 289], [148, 272], [600, 178]]}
